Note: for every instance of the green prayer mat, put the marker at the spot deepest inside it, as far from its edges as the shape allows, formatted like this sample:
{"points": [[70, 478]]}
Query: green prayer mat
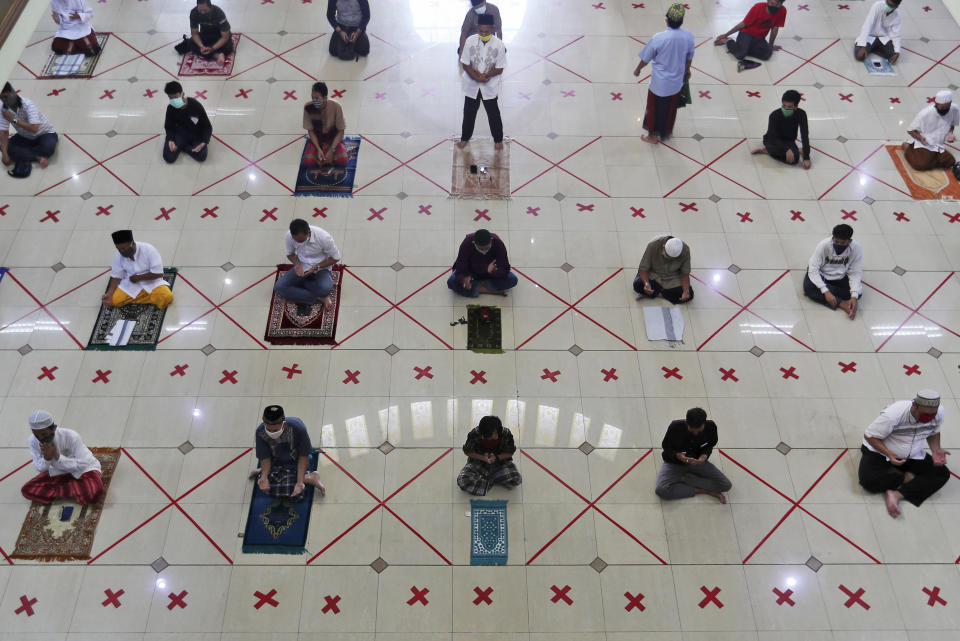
{"points": [[483, 337]]}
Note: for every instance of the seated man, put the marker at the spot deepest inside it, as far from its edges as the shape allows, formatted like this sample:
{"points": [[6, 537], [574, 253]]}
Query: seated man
{"points": [[312, 252], [482, 266], [834, 274], [931, 129], [892, 458], [349, 20], [780, 141], [685, 471], [136, 275], [35, 138], [283, 449], [880, 33], [74, 33], [323, 120], [68, 469], [470, 21], [489, 449], [210, 35], [664, 270], [763, 18], [186, 124]]}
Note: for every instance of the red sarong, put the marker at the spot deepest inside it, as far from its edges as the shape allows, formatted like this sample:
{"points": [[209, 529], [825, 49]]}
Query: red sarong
{"points": [[660, 114], [43, 488], [340, 154]]}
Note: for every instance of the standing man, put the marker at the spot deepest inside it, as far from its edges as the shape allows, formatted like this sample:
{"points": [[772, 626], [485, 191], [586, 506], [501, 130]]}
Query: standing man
{"points": [[892, 457], [470, 21], [312, 252], [35, 137], [780, 141], [671, 52], [210, 35], [664, 270], [762, 19], [880, 33], [483, 59], [323, 120], [685, 471], [931, 130], [74, 31], [835, 272], [68, 469], [136, 275], [349, 20], [482, 266], [186, 124], [489, 449], [283, 448]]}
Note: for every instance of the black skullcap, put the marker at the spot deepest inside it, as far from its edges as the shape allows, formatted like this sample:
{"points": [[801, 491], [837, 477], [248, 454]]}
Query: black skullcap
{"points": [[485, 18], [273, 414], [476, 2], [122, 236], [482, 237]]}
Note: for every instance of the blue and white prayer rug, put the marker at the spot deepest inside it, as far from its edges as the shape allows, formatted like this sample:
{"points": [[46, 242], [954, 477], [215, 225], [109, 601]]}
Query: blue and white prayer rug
{"points": [[488, 532]]}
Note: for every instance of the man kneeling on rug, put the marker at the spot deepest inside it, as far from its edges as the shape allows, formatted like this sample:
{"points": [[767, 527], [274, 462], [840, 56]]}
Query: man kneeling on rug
{"points": [[312, 252], [136, 275], [323, 120], [489, 449], [68, 469], [210, 34], [931, 130], [482, 266], [74, 33], [283, 449]]}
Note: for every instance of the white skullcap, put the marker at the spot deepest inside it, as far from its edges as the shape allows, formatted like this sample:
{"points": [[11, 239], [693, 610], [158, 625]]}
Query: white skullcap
{"points": [[673, 247], [944, 96], [40, 419], [927, 398]]}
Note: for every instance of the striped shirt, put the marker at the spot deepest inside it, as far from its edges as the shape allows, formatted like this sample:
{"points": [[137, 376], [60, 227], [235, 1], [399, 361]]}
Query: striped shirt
{"points": [[27, 112]]}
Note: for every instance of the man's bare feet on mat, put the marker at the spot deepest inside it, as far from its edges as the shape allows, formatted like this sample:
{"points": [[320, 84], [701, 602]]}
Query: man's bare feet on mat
{"points": [[221, 59], [327, 303], [462, 143], [313, 478]]}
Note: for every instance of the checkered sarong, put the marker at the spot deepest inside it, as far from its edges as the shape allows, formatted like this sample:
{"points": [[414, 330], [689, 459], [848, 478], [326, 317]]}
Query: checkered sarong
{"points": [[282, 479], [43, 488], [478, 477], [340, 155]]}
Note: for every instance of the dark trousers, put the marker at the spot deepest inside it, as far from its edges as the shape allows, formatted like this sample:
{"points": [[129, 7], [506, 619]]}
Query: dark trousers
{"points": [[672, 294], [185, 145], [747, 45], [208, 37], [777, 149], [470, 108], [877, 474], [21, 149], [87, 45], [455, 282], [360, 48], [877, 47], [839, 288]]}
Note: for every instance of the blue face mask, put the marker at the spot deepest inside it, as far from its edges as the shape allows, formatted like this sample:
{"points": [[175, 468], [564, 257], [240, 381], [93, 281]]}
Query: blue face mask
{"points": [[177, 103]]}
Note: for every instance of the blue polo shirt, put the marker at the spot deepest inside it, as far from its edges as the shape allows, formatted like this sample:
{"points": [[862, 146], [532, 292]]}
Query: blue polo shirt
{"points": [[669, 50]]}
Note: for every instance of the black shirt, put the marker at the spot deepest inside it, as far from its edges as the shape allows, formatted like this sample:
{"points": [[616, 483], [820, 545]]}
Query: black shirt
{"points": [[288, 448], [679, 439], [190, 121], [215, 19], [475, 444], [783, 130]]}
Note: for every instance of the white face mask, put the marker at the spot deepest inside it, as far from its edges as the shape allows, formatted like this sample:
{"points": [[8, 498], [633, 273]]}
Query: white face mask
{"points": [[481, 10], [277, 434]]}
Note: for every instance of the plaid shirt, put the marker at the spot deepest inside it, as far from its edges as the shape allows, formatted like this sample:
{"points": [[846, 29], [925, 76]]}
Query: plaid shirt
{"points": [[474, 444]]}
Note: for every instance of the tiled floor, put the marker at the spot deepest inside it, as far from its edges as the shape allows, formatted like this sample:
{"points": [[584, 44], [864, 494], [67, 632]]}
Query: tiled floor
{"points": [[593, 553]]}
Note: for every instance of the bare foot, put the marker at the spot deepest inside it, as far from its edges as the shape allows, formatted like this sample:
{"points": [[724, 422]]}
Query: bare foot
{"points": [[908, 476], [717, 495], [893, 503], [759, 150], [44, 162], [498, 146], [653, 140], [327, 304], [313, 478], [462, 143], [852, 312], [221, 59], [254, 474]]}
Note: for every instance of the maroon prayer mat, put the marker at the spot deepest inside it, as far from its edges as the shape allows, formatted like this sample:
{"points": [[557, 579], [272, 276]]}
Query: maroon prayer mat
{"points": [[195, 65], [319, 327]]}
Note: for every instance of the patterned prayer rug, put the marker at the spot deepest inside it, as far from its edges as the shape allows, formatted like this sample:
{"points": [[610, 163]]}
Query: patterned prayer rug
{"points": [[488, 532], [47, 536], [318, 327], [195, 65], [75, 65], [483, 334], [279, 526], [329, 180], [935, 184], [148, 321], [480, 171]]}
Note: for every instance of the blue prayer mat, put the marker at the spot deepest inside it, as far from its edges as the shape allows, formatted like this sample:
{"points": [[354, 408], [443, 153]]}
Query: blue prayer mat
{"points": [[279, 526], [329, 180], [488, 532]]}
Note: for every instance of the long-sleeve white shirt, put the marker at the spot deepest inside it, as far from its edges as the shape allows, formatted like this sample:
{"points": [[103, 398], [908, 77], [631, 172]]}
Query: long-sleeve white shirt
{"points": [[902, 434], [145, 261], [934, 127], [828, 264], [72, 28], [880, 24], [76, 459]]}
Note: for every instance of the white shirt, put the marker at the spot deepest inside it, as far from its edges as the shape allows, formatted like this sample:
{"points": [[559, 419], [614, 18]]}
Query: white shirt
{"points": [[880, 24], [483, 57], [70, 28], [826, 263], [146, 260], [318, 247], [76, 459], [934, 127], [901, 433], [27, 112]]}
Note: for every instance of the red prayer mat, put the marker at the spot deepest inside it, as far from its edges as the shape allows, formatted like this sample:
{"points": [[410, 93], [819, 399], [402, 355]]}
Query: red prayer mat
{"points": [[194, 65], [319, 327]]}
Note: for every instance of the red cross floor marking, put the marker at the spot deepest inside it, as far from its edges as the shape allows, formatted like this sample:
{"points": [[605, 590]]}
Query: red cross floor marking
{"points": [[705, 94], [926, 9], [560, 594], [912, 369], [251, 163], [784, 597], [674, 372], [208, 211], [582, 207], [686, 207], [847, 367], [478, 377], [229, 376], [843, 7], [200, 95], [854, 597], [710, 597], [551, 375], [803, 7], [533, 211], [858, 169], [331, 604], [338, 93], [101, 376], [351, 377], [930, 99], [934, 65], [914, 311], [638, 5], [290, 95], [934, 596], [848, 215], [810, 61], [418, 596], [380, 95], [149, 93], [525, 96], [953, 219], [483, 596], [557, 165], [3, 209], [753, 94], [177, 600], [425, 209], [165, 213], [728, 373], [47, 372], [51, 215], [789, 372], [424, 371], [243, 93], [894, 100], [113, 598], [376, 213], [291, 371], [26, 605], [108, 93], [901, 216], [609, 374], [636, 213], [103, 211], [264, 599], [591, 505], [179, 370], [745, 217], [796, 505], [56, 92], [404, 164], [634, 602], [322, 213], [616, 96], [481, 214], [599, 5], [709, 166], [797, 215], [269, 213], [569, 94]]}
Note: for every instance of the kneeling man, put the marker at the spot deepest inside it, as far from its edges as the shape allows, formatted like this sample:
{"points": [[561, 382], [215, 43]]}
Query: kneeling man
{"points": [[68, 469], [283, 449]]}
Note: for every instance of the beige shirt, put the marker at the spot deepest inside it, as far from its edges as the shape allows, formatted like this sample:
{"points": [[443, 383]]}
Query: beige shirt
{"points": [[663, 269], [326, 122]]}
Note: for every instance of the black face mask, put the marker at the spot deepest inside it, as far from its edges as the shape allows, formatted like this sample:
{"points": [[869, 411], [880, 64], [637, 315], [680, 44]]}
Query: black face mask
{"points": [[944, 111], [772, 10], [839, 249], [129, 253]]}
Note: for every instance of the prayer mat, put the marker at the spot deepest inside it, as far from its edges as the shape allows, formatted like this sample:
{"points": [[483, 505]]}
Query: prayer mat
{"points": [[196, 65], [329, 180], [75, 65], [488, 532], [279, 526], [878, 66], [319, 327], [934, 184], [63, 530], [480, 171], [483, 334], [147, 319], [663, 323]]}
